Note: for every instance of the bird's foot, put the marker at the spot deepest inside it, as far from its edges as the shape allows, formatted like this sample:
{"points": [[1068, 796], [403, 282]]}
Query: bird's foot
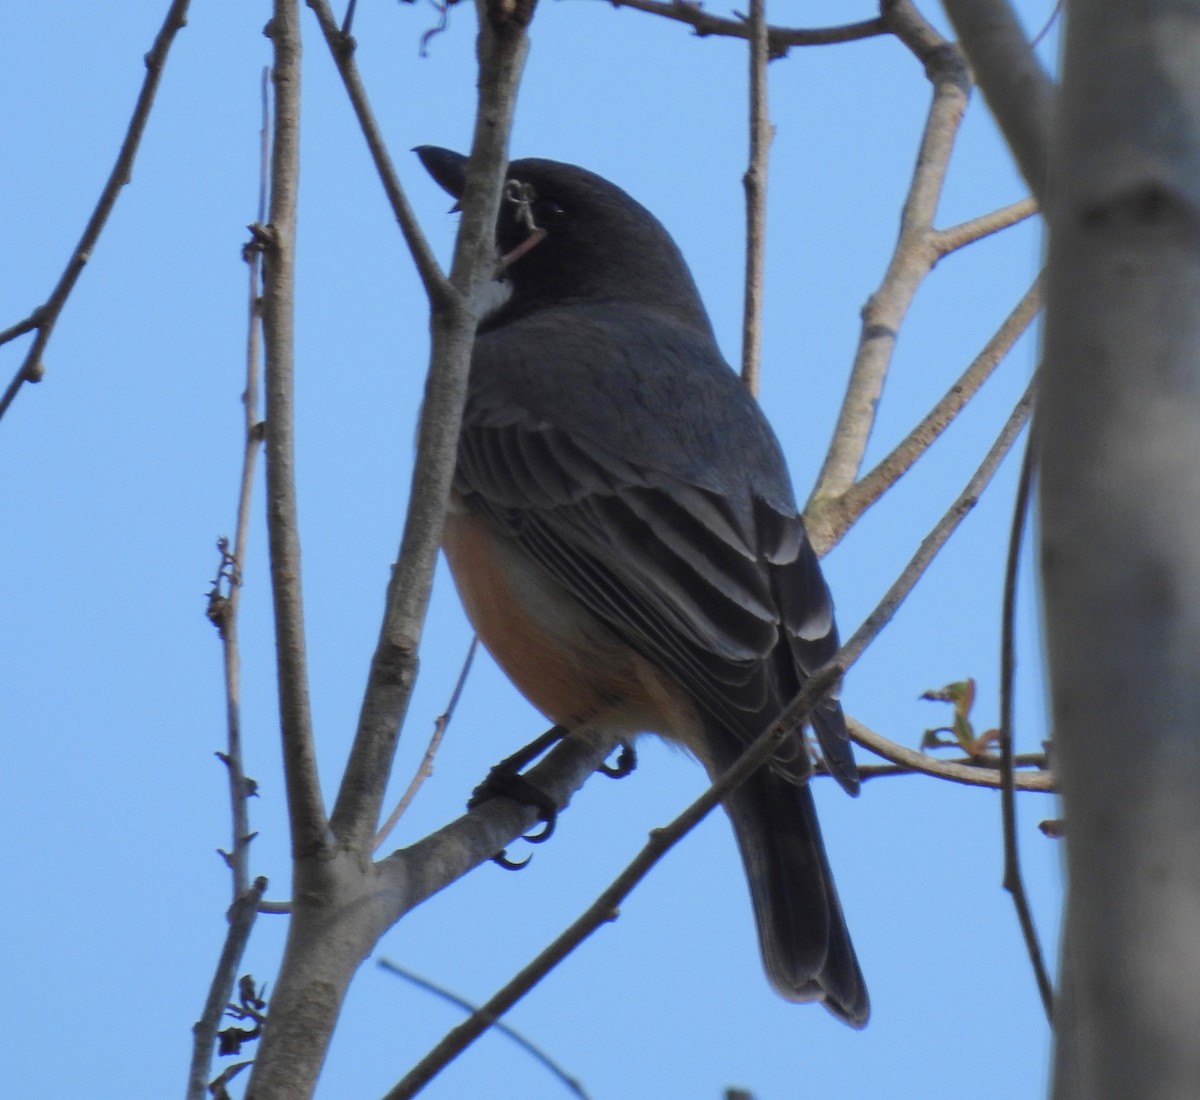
{"points": [[506, 781]]}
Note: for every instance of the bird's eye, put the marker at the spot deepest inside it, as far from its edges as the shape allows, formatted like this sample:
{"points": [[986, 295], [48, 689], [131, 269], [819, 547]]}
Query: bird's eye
{"points": [[546, 212]]}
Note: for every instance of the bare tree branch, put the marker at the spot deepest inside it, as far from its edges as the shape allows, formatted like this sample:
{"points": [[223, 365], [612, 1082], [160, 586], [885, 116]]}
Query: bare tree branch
{"points": [[968, 232], [45, 317], [604, 908], [341, 900], [447, 995], [425, 769], [1020, 760], [223, 609], [969, 774], [1013, 881], [241, 918], [913, 258], [394, 665], [942, 530], [780, 39], [838, 516], [1018, 90], [306, 807], [755, 182], [341, 47]]}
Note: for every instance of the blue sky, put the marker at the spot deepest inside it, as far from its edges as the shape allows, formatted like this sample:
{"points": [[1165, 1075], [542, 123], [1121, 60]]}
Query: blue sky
{"points": [[119, 473]]}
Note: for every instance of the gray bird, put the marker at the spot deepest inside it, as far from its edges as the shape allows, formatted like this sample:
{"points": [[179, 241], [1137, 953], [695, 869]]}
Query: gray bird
{"points": [[625, 539]]}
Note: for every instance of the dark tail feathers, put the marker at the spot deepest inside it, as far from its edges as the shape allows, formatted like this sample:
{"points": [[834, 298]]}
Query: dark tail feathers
{"points": [[805, 944]]}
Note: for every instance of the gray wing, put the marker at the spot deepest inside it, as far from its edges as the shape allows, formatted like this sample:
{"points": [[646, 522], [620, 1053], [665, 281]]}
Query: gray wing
{"points": [[729, 600]]}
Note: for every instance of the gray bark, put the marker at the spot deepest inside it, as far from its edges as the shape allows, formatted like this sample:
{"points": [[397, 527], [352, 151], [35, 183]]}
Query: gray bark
{"points": [[1119, 504]]}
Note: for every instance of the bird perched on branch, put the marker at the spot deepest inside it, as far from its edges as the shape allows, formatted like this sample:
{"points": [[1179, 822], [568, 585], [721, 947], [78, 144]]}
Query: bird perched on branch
{"points": [[625, 539]]}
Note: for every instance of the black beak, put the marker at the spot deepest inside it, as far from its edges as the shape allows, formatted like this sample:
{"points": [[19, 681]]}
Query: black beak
{"points": [[446, 166]]}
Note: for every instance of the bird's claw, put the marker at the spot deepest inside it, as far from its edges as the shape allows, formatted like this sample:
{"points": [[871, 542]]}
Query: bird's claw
{"points": [[503, 782], [626, 762], [500, 859]]}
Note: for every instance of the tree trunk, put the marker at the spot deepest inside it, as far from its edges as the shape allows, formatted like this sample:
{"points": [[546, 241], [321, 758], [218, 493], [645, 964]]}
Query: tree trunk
{"points": [[1119, 504]]}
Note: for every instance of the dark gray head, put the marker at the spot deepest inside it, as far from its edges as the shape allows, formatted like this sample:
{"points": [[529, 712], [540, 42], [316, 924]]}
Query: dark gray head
{"points": [[599, 244]]}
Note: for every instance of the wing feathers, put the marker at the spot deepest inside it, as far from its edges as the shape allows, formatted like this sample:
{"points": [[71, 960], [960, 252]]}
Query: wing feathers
{"points": [[673, 567]]}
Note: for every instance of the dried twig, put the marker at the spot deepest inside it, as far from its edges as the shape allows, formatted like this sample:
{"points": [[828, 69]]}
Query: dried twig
{"points": [[44, 318], [975, 229], [204, 1032], [341, 48], [446, 995], [224, 601], [833, 520], [425, 770], [879, 771], [780, 39], [755, 182], [1013, 881]]}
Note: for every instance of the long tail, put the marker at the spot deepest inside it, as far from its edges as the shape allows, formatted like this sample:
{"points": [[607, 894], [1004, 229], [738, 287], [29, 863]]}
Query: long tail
{"points": [[805, 944]]}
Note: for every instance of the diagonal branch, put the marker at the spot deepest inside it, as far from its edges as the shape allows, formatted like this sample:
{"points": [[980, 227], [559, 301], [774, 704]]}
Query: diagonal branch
{"points": [[451, 842], [975, 229], [341, 46], [839, 515], [45, 317], [242, 915], [1018, 90], [306, 807], [912, 260]]}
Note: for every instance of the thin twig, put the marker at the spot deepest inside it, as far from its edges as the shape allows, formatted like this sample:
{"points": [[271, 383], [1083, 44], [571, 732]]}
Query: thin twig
{"points": [[439, 731], [341, 48], [662, 840], [880, 771], [838, 516], [21, 327], [223, 611], [46, 315], [975, 229], [906, 761], [227, 606], [306, 808], [1013, 882], [204, 1031], [780, 39], [460, 1002], [912, 260], [755, 183], [942, 530]]}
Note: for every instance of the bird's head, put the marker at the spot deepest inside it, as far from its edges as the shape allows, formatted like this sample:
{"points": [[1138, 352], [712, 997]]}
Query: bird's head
{"points": [[565, 234]]}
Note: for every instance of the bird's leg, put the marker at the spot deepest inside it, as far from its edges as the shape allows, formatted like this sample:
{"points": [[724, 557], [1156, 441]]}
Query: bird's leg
{"points": [[505, 780]]}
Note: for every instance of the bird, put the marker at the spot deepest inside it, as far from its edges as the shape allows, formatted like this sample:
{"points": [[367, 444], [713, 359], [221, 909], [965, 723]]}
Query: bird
{"points": [[624, 536]]}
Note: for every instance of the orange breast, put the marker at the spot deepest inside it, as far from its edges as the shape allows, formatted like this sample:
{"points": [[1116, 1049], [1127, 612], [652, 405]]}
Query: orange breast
{"points": [[566, 662]]}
